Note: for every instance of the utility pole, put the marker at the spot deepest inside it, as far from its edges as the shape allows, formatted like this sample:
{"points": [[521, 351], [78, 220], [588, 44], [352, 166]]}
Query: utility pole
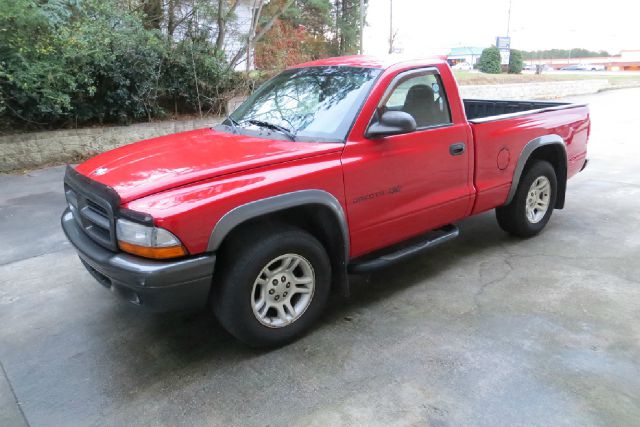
{"points": [[570, 55], [509, 19], [361, 27], [390, 26]]}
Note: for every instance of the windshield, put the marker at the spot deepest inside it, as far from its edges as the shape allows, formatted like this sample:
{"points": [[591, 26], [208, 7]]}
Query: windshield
{"points": [[307, 104]]}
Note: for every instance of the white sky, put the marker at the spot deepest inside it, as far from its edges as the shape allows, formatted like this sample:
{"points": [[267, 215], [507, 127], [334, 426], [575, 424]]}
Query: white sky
{"points": [[431, 27]]}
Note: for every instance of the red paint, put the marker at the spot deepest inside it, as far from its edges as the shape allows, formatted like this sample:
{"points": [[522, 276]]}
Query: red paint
{"points": [[492, 183], [159, 164], [391, 188]]}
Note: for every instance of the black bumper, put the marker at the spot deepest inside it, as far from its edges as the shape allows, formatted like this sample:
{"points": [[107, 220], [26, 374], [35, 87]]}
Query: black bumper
{"points": [[181, 284]]}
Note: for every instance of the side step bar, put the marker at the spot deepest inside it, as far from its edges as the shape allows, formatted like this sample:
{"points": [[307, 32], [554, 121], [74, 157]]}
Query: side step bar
{"points": [[404, 250]]}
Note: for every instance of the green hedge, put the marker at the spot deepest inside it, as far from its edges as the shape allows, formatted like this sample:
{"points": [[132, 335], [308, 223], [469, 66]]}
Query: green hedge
{"points": [[515, 62], [72, 62], [490, 61]]}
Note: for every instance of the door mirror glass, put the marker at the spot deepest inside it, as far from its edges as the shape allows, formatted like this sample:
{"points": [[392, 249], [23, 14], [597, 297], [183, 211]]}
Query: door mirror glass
{"points": [[392, 123]]}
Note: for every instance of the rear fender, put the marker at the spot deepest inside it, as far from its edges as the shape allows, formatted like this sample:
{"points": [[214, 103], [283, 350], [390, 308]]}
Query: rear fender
{"points": [[529, 152]]}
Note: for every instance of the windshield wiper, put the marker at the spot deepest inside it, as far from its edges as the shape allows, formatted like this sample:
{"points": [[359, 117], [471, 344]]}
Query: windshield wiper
{"points": [[234, 124], [284, 130]]}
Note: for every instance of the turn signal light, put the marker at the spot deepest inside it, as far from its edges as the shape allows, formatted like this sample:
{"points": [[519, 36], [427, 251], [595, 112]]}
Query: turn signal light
{"points": [[154, 253], [148, 241]]}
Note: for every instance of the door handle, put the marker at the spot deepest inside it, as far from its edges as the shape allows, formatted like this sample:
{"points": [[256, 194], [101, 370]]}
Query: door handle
{"points": [[457, 149]]}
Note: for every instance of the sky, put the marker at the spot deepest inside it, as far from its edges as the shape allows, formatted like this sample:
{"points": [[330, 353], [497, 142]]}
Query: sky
{"points": [[432, 27]]}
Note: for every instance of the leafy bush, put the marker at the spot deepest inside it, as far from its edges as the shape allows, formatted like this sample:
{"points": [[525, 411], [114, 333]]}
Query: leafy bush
{"points": [[33, 76], [194, 78], [515, 62], [116, 61], [69, 62], [490, 61]]}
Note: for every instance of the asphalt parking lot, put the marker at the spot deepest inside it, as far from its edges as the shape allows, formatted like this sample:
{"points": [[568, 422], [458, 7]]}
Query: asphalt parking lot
{"points": [[485, 330]]}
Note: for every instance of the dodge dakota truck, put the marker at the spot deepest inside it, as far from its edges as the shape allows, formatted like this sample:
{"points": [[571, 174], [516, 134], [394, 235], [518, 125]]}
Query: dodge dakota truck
{"points": [[335, 167]]}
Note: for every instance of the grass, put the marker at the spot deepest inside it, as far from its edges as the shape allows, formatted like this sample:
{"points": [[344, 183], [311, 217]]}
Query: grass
{"points": [[469, 78]]}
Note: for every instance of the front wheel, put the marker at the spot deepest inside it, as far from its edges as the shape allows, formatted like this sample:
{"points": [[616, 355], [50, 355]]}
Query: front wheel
{"points": [[533, 203], [273, 285]]}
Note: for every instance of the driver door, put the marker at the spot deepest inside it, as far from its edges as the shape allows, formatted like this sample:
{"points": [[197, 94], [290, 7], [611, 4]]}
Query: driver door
{"points": [[403, 185]]}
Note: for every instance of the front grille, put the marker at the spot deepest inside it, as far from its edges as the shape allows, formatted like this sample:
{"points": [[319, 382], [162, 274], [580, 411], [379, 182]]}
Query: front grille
{"points": [[92, 205]]}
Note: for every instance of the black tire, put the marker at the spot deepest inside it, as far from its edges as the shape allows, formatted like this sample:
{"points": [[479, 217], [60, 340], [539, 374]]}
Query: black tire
{"points": [[243, 259], [512, 218]]}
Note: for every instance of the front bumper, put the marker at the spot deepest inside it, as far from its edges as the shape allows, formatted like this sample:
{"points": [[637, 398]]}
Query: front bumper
{"points": [[156, 285]]}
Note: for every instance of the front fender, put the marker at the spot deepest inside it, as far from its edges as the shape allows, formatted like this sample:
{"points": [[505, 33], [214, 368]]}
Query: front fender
{"points": [[269, 205]]}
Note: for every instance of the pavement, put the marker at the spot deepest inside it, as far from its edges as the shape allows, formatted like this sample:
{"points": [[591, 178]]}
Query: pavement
{"points": [[487, 330]]}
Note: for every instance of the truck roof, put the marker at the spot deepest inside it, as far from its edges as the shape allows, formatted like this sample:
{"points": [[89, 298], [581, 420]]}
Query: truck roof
{"points": [[367, 61]]}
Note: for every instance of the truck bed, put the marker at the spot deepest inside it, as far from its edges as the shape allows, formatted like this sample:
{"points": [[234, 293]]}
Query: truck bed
{"points": [[488, 109], [501, 130]]}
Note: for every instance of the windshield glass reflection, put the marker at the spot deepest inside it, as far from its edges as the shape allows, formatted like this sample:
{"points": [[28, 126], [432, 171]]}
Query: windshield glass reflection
{"points": [[315, 103]]}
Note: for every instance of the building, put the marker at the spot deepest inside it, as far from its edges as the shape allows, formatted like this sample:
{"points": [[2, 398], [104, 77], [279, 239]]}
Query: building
{"points": [[238, 31], [627, 60], [464, 54]]}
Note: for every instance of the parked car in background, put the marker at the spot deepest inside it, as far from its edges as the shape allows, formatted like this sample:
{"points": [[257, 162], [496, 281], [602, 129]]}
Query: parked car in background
{"points": [[538, 68], [463, 66], [583, 67], [335, 167]]}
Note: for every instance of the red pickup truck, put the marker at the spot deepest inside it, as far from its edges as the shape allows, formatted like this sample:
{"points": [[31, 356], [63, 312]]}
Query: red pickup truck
{"points": [[333, 167]]}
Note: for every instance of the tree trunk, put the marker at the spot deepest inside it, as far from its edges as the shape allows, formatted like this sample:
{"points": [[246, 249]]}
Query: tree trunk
{"points": [[153, 14], [221, 27], [171, 18], [222, 20], [256, 12]]}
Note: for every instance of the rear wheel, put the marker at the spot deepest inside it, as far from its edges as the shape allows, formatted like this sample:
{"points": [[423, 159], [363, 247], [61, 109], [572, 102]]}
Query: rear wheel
{"points": [[532, 205], [272, 285]]}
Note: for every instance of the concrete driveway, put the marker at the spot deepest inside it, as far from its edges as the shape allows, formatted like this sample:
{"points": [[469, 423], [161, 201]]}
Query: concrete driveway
{"points": [[486, 330]]}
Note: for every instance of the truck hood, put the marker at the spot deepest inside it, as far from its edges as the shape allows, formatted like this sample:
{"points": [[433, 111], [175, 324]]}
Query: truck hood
{"points": [[158, 164]]}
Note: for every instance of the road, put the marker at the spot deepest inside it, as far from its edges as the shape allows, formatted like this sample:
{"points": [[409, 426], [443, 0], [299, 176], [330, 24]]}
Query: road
{"points": [[486, 330]]}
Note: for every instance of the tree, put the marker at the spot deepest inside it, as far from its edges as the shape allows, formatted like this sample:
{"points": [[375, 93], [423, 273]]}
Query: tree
{"points": [[285, 45], [72, 62], [490, 61], [303, 32], [515, 62], [67, 63], [153, 13], [347, 26], [226, 9], [563, 53]]}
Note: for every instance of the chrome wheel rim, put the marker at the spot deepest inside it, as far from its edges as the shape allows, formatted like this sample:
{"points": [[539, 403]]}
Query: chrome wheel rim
{"points": [[538, 197], [283, 290]]}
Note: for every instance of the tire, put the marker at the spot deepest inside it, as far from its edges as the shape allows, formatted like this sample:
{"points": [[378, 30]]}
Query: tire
{"points": [[244, 282], [518, 218]]}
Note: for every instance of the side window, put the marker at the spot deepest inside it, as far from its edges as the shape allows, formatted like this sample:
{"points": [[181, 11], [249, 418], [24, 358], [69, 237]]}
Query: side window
{"points": [[423, 97]]}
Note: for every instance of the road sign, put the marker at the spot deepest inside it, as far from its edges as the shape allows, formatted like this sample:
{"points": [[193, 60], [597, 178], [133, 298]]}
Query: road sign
{"points": [[503, 43], [504, 57]]}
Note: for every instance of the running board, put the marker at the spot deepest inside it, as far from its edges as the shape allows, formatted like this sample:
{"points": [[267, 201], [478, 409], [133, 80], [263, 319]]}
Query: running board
{"points": [[404, 250]]}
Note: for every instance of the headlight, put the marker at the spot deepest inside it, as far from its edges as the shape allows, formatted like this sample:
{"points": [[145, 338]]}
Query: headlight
{"points": [[148, 241]]}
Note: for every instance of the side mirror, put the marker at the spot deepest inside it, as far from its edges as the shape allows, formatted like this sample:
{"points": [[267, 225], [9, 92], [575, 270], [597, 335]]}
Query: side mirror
{"points": [[392, 123]]}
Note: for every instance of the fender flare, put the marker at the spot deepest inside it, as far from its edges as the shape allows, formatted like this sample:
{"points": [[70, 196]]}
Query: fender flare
{"points": [[525, 154], [257, 208]]}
